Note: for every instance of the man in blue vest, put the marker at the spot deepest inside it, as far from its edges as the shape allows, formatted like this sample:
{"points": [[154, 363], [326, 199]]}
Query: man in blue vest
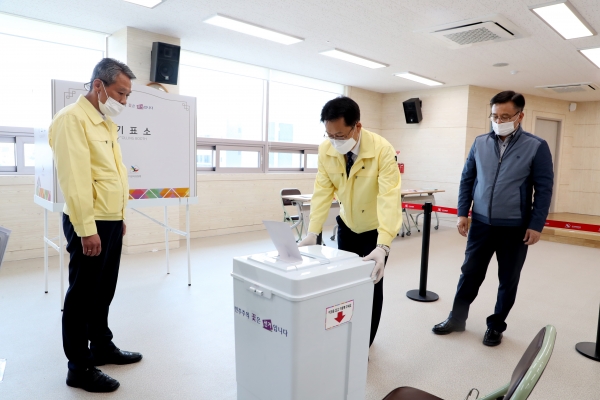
{"points": [[502, 171]]}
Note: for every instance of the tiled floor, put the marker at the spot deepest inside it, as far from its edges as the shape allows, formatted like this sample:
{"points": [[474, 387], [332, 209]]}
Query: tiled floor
{"points": [[186, 333]]}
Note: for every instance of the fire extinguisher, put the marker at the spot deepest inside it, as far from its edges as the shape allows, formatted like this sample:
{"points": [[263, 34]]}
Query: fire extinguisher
{"points": [[400, 165]]}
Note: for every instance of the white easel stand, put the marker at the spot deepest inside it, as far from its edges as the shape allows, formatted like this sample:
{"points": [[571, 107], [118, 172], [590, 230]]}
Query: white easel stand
{"points": [[57, 207], [54, 208], [179, 202]]}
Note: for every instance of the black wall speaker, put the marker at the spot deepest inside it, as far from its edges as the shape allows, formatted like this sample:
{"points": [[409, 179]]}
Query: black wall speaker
{"points": [[412, 111], [165, 63]]}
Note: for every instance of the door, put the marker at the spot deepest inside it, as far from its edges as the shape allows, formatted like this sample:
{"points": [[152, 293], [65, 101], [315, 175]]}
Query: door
{"points": [[548, 130]]}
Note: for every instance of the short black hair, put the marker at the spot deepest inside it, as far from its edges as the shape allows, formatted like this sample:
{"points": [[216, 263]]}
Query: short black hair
{"points": [[341, 107], [509, 96]]}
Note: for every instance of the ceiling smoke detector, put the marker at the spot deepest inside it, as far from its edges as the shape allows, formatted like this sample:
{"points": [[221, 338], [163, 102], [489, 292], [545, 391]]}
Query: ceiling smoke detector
{"points": [[488, 29], [570, 88]]}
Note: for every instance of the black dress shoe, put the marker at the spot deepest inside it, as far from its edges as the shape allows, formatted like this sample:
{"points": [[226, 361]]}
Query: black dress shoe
{"points": [[92, 380], [492, 337], [117, 356], [448, 326]]}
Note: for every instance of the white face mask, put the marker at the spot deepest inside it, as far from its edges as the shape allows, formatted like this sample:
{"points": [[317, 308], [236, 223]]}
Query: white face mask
{"points": [[504, 128], [112, 108], [343, 146]]}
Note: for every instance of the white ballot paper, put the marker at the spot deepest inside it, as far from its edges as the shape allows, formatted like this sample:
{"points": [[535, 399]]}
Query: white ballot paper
{"points": [[4, 235], [284, 242]]}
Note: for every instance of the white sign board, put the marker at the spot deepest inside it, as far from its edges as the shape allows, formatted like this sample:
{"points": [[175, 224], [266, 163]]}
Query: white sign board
{"points": [[339, 314], [157, 135]]}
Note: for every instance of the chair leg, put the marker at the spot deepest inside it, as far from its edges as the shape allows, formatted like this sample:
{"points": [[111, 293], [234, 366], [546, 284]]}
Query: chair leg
{"points": [[334, 233], [413, 220], [407, 225], [496, 394]]}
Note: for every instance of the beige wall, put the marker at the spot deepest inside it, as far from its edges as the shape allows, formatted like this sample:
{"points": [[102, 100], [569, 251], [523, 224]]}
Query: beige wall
{"points": [[24, 218], [577, 182], [228, 203], [582, 161], [433, 150], [370, 104], [133, 47]]}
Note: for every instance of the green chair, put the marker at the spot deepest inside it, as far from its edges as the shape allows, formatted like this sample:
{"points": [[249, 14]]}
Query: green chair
{"points": [[292, 219], [523, 380]]}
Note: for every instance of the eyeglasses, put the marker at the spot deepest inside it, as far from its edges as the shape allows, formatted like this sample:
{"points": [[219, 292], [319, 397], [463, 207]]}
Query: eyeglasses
{"points": [[339, 137], [502, 119]]}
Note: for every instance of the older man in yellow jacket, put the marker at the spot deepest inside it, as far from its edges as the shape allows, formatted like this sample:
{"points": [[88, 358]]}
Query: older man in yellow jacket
{"points": [[359, 168], [93, 180]]}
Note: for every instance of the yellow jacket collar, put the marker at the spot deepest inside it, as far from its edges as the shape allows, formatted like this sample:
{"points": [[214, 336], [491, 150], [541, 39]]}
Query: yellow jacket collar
{"points": [[90, 110], [367, 146]]}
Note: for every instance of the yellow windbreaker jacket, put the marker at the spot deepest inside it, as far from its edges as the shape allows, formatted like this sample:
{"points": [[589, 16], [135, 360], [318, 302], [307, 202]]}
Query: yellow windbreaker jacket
{"points": [[369, 198], [89, 166]]}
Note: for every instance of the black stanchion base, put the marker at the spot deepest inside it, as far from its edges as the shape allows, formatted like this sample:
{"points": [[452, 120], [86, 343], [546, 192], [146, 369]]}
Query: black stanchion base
{"points": [[429, 296], [588, 349]]}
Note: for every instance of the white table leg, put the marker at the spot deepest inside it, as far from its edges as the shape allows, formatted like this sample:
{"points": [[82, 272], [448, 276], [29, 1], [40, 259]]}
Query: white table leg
{"points": [[167, 239], [187, 238], [45, 251]]}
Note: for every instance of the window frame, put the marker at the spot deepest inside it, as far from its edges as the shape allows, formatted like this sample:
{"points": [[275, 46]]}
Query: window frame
{"points": [[19, 136], [260, 149], [21, 167], [5, 169], [295, 148], [264, 146]]}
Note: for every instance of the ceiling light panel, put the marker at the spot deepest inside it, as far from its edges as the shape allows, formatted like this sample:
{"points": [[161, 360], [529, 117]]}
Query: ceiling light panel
{"points": [[253, 30], [418, 78], [593, 55], [146, 3], [342, 55], [564, 19]]}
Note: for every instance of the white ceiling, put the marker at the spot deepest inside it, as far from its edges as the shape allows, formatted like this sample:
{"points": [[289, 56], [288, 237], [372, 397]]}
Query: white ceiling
{"points": [[382, 30]]}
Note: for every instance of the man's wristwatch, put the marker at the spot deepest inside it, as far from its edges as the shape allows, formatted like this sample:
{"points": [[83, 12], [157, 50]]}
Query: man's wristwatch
{"points": [[385, 248]]}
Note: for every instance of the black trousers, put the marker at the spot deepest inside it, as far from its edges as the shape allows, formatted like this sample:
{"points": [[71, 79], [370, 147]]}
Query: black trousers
{"points": [[363, 244], [483, 241], [92, 284]]}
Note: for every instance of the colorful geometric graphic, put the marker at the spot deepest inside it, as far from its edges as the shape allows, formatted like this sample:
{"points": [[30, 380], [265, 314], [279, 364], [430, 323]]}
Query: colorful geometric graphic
{"points": [[167, 193], [43, 193]]}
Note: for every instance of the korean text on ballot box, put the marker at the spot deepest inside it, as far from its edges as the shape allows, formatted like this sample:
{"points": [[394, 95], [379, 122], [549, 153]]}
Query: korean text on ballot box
{"points": [[302, 327]]}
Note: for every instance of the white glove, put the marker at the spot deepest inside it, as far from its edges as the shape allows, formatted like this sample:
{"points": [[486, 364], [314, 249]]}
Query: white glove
{"points": [[309, 240], [377, 255]]}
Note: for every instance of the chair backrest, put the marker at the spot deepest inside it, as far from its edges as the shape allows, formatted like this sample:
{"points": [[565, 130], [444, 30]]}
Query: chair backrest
{"points": [[532, 365], [289, 192]]}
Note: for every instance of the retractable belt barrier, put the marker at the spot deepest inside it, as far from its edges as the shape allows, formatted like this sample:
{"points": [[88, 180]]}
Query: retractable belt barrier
{"points": [[590, 350], [575, 226]]}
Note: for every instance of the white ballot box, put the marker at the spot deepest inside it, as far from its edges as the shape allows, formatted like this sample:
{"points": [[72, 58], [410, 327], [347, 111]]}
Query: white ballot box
{"points": [[302, 327]]}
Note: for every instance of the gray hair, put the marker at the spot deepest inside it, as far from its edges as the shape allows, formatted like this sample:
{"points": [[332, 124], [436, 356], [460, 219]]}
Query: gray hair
{"points": [[108, 69]]}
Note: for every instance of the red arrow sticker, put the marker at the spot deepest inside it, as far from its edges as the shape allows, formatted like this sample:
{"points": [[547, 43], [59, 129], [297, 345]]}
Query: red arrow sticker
{"points": [[339, 314]]}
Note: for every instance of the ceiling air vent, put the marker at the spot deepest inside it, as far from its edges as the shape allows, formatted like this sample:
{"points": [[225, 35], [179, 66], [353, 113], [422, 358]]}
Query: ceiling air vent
{"points": [[492, 28], [570, 88]]}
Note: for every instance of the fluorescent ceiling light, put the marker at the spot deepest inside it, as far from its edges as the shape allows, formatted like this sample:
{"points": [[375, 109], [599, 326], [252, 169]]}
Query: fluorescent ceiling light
{"points": [[417, 78], [249, 29], [146, 3], [593, 55], [564, 19], [342, 55]]}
